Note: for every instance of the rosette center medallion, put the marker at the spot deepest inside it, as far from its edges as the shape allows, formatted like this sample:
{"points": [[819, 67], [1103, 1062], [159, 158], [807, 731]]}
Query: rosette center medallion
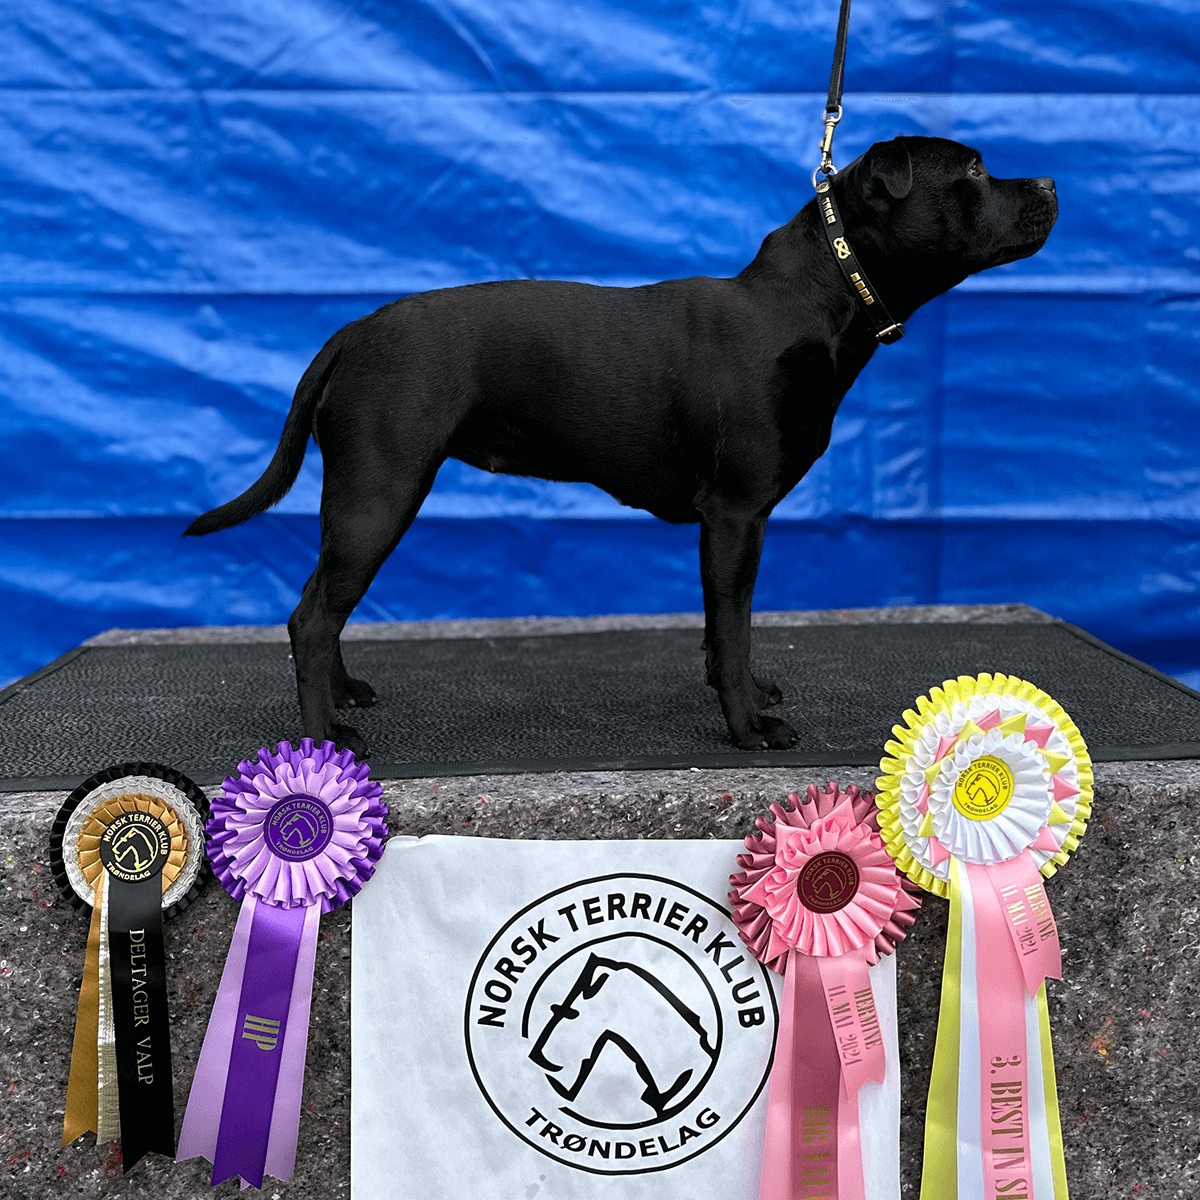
{"points": [[299, 827], [984, 788], [135, 846], [828, 882]]}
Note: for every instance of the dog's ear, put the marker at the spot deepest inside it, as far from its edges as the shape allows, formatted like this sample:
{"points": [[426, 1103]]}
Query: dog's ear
{"points": [[889, 169]]}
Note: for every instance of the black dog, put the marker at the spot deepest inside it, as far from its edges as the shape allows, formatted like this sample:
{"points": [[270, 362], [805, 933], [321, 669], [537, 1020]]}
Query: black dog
{"points": [[696, 399]]}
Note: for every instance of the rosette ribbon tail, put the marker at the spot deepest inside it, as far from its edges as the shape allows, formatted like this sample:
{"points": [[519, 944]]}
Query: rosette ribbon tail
{"points": [[813, 1143], [138, 971], [819, 900], [128, 843], [120, 1081], [993, 1128], [243, 1112]]}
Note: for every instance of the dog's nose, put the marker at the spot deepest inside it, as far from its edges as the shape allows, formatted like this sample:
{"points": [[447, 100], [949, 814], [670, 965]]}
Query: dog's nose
{"points": [[1045, 184]]}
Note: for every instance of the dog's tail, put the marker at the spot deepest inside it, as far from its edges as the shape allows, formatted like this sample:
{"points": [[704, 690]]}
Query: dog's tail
{"points": [[283, 468]]}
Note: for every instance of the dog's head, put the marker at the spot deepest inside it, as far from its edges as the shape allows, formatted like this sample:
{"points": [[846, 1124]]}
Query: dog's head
{"points": [[929, 206]]}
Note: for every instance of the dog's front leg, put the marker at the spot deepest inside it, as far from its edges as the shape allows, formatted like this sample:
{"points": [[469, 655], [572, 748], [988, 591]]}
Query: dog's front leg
{"points": [[730, 545]]}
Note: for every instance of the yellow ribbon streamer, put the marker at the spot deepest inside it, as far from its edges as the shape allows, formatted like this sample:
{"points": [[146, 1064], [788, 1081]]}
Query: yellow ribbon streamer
{"points": [[1050, 1089], [939, 1174]]}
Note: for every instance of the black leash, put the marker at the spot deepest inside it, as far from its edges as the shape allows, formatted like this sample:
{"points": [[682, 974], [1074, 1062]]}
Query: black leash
{"points": [[886, 330]]}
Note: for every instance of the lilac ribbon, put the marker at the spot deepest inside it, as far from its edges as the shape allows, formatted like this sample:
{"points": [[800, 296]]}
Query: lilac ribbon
{"points": [[202, 1123], [263, 1009], [293, 835]]}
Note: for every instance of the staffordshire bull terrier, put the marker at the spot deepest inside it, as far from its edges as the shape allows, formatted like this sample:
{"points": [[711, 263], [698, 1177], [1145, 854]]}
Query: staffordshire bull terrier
{"points": [[699, 400]]}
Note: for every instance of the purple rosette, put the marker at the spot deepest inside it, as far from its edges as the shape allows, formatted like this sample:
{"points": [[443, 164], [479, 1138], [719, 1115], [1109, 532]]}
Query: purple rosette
{"points": [[298, 827], [293, 834]]}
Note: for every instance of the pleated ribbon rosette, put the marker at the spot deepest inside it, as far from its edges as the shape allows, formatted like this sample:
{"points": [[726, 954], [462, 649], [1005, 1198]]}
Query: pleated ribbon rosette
{"points": [[986, 790], [128, 845], [818, 900], [294, 834]]}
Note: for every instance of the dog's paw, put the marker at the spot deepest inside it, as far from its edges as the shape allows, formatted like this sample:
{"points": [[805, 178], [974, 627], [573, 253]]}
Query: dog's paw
{"points": [[765, 733], [345, 737], [353, 693], [766, 694]]}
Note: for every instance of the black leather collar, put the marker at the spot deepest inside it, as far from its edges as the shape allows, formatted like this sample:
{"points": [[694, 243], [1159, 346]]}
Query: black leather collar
{"points": [[886, 330]]}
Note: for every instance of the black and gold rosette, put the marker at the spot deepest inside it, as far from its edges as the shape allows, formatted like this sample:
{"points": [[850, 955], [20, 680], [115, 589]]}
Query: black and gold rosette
{"points": [[128, 845]]}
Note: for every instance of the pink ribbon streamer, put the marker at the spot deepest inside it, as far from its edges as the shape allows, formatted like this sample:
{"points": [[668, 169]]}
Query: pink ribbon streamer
{"points": [[850, 1003], [813, 1149], [997, 896], [1017, 884], [851, 1184], [800, 1157]]}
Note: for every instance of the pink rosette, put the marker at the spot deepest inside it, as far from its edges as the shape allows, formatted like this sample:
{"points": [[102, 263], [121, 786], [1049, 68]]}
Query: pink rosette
{"points": [[818, 900], [293, 834], [766, 906], [238, 845]]}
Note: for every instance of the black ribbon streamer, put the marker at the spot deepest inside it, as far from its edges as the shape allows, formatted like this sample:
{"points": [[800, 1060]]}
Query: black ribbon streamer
{"points": [[143, 1034]]}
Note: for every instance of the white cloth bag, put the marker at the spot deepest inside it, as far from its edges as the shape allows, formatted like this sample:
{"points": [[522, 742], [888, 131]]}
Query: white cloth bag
{"points": [[568, 1020]]}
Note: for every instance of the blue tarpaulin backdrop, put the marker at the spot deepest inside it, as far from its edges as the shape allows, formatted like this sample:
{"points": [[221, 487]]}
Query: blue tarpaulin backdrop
{"points": [[197, 194]]}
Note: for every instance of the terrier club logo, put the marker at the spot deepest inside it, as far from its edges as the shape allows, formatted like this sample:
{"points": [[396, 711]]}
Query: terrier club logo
{"points": [[828, 882], [984, 789], [134, 849], [619, 1026], [299, 827], [135, 846]]}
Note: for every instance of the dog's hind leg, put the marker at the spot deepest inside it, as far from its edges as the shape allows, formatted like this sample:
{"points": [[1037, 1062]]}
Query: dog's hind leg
{"points": [[347, 691], [730, 546], [361, 523]]}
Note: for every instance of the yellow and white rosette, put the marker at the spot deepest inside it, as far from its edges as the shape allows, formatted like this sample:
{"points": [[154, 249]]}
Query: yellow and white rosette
{"points": [[986, 790]]}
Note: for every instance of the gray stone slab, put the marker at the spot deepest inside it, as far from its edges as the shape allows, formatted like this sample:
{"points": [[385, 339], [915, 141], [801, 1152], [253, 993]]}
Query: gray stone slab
{"points": [[482, 627], [1127, 906]]}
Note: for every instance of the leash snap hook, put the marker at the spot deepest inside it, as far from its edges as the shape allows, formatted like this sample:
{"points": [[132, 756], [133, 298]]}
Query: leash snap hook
{"points": [[832, 117]]}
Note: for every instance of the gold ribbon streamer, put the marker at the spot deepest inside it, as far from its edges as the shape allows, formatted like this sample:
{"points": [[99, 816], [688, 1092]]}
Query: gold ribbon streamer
{"points": [[82, 1108]]}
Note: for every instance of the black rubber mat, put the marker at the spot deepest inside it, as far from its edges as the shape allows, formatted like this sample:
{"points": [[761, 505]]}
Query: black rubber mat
{"points": [[614, 700]]}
